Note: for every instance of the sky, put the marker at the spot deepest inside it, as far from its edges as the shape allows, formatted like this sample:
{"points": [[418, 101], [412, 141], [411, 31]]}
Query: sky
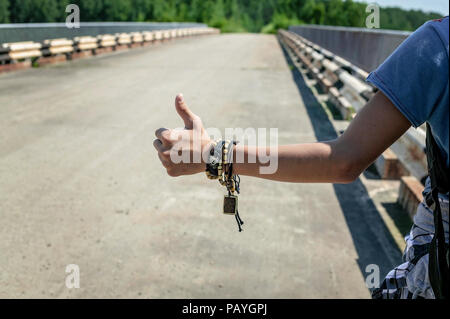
{"points": [[440, 6]]}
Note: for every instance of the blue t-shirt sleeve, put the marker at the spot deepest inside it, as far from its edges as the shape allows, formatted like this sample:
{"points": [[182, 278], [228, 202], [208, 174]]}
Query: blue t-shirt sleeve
{"points": [[414, 77]]}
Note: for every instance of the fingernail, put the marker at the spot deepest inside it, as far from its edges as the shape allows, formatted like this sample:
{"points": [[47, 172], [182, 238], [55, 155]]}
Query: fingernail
{"points": [[180, 97]]}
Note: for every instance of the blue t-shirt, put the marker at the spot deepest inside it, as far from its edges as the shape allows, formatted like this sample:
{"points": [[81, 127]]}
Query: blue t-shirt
{"points": [[415, 79]]}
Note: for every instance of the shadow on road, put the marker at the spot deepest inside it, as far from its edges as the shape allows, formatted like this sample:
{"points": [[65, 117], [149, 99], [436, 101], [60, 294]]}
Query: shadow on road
{"points": [[368, 231]]}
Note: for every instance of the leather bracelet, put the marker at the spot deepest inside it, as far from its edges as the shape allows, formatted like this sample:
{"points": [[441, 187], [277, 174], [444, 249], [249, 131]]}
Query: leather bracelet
{"points": [[227, 159], [220, 166]]}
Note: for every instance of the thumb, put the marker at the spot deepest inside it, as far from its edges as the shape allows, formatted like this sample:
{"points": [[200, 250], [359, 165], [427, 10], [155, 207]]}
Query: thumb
{"points": [[185, 113]]}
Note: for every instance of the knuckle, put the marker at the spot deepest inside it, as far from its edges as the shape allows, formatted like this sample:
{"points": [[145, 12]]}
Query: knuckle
{"points": [[159, 131], [163, 139], [165, 164], [176, 135], [197, 119], [166, 136]]}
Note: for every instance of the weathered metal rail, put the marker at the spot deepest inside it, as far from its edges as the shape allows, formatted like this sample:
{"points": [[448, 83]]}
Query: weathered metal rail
{"points": [[18, 55]]}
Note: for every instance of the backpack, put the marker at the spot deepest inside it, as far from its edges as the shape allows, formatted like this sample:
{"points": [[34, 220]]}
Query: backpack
{"points": [[438, 265]]}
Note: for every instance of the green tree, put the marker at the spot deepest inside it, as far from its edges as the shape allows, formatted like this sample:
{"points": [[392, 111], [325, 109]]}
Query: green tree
{"points": [[307, 11], [91, 10], [335, 14], [140, 10], [61, 10], [4, 11], [354, 14], [218, 19], [117, 10], [195, 10], [35, 11], [318, 14], [229, 15], [279, 21]]}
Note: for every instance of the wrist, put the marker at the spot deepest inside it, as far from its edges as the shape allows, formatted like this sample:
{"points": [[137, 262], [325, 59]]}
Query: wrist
{"points": [[199, 167], [207, 148]]}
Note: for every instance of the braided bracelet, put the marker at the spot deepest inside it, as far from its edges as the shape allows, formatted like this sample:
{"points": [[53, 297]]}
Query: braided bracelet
{"points": [[220, 166]]}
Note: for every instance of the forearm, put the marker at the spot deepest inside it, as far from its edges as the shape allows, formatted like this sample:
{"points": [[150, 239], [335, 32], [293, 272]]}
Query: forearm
{"points": [[300, 163], [375, 128]]}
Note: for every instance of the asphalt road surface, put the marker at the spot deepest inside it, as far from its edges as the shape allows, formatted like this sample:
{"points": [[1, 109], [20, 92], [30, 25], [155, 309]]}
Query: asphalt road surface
{"points": [[80, 182]]}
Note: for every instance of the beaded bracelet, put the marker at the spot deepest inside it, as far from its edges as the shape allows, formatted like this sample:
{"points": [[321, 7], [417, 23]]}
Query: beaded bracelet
{"points": [[225, 176]]}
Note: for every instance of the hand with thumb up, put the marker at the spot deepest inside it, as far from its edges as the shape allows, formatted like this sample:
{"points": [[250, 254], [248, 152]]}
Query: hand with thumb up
{"points": [[185, 151]]}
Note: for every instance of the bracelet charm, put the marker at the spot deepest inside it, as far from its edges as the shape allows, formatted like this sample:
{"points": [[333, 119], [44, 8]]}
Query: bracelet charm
{"points": [[230, 205], [220, 166]]}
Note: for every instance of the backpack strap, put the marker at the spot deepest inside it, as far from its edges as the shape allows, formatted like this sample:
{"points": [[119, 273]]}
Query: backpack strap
{"points": [[438, 267]]}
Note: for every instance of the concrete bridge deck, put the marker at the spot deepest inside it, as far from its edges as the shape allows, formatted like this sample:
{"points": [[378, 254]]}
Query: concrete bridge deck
{"points": [[80, 182]]}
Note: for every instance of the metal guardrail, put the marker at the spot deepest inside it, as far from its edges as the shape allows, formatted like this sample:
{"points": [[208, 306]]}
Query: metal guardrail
{"points": [[42, 31], [373, 45], [344, 84], [19, 55]]}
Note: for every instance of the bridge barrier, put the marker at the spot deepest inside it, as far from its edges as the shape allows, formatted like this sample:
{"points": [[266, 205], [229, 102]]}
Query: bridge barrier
{"points": [[57, 46], [348, 92], [374, 45], [158, 35], [148, 36], [166, 35], [55, 50], [23, 50], [4, 56], [137, 37], [410, 194], [106, 40], [124, 39], [20, 55], [410, 148], [355, 91], [331, 75], [317, 60], [86, 43]]}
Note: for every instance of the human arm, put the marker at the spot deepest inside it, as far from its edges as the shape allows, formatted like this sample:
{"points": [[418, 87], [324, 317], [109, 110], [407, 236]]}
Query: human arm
{"points": [[373, 130]]}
